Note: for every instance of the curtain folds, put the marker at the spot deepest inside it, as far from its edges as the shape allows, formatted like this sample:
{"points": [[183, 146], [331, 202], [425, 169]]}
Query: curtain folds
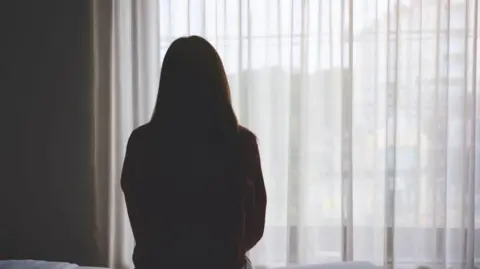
{"points": [[365, 111]]}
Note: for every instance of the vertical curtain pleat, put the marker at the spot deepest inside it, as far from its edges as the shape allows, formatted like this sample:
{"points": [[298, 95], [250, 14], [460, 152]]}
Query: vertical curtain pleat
{"points": [[471, 231], [102, 53]]}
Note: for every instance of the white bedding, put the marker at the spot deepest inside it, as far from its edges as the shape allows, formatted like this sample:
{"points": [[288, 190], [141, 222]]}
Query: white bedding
{"points": [[31, 264], [335, 265]]}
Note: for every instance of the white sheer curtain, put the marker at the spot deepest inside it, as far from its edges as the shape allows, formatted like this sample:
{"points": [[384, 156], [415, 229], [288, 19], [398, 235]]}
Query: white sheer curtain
{"points": [[365, 110]]}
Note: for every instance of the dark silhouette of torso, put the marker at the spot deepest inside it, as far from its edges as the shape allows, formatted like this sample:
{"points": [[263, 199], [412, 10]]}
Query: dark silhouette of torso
{"points": [[191, 200]]}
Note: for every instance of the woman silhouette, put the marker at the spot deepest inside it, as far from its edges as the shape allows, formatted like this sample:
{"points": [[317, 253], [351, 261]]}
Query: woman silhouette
{"points": [[191, 177]]}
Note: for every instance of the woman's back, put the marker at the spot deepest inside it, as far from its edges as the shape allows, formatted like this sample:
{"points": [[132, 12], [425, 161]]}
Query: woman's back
{"points": [[187, 200]]}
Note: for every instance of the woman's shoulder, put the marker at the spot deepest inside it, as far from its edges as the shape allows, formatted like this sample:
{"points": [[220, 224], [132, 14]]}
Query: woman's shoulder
{"points": [[138, 135], [142, 133], [245, 133], [247, 138], [248, 142], [141, 130]]}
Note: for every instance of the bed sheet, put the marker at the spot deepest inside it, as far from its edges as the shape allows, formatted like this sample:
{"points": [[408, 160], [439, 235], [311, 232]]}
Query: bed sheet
{"points": [[32, 264]]}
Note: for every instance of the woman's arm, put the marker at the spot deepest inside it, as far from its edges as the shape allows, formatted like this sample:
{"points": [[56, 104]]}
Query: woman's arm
{"points": [[255, 212]]}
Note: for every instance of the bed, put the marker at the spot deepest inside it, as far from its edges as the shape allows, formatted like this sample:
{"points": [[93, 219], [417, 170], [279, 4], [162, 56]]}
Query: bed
{"points": [[335, 265], [31, 264]]}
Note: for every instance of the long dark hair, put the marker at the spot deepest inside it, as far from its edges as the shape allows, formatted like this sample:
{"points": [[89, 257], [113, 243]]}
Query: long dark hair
{"points": [[194, 95], [193, 107]]}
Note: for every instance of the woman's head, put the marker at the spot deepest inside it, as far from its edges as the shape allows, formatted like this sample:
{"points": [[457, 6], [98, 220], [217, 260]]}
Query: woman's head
{"points": [[194, 94]]}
